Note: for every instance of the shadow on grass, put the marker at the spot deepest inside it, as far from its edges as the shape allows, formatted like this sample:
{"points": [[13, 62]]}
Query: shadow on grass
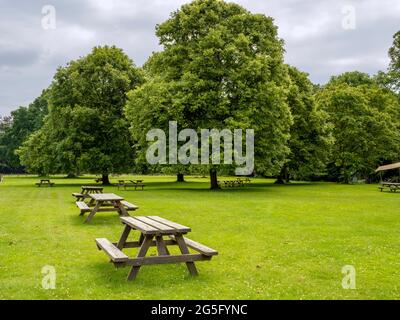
{"points": [[199, 187], [149, 277], [106, 219]]}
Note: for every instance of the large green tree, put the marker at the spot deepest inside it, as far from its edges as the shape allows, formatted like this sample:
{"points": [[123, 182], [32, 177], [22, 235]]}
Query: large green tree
{"points": [[221, 67], [86, 130], [366, 125], [310, 135], [391, 78], [394, 66], [23, 122]]}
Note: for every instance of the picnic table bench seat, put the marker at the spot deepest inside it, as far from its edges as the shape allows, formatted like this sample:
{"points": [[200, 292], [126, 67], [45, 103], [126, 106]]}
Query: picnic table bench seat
{"points": [[77, 195], [152, 231], [131, 183], [83, 207], [198, 247], [129, 206], [111, 250]]}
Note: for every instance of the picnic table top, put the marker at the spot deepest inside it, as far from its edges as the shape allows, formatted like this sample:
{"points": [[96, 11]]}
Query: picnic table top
{"points": [[154, 225], [391, 183], [92, 188], [43, 180], [105, 197]]}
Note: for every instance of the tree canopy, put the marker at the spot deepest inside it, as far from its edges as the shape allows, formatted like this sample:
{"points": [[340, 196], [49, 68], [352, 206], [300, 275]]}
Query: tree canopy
{"points": [[85, 130], [17, 128], [365, 121], [310, 135], [394, 66], [221, 67]]}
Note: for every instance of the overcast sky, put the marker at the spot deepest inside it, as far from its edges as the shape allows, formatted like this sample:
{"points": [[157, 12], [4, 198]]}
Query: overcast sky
{"points": [[321, 36]]}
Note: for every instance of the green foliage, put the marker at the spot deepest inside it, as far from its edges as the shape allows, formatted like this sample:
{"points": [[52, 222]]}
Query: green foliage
{"points": [[391, 78], [23, 122], [394, 66], [366, 124], [221, 67], [310, 135], [86, 130], [353, 78]]}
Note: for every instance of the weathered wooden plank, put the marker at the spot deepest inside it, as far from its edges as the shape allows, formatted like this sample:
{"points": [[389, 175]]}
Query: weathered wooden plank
{"points": [[93, 212], [182, 258], [83, 206], [184, 250], [138, 225], [198, 247], [161, 246], [77, 194], [162, 227], [142, 253], [123, 237], [137, 244], [112, 251], [107, 209], [92, 188], [105, 197], [179, 227], [129, 206]]}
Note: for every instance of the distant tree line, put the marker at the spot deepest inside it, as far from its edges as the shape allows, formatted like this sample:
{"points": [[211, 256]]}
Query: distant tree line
{"points": [[221, 67]]}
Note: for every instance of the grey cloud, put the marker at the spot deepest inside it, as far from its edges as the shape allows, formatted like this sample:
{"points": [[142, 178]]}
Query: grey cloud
{"points": [[314, 38], [18, 57]]}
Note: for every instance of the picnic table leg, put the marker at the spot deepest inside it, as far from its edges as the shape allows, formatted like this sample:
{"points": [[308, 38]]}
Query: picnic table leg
{"points": [[91, 202], [161, 246], [93, 212], [142, 252], [184, 250], [122, 211], [123, 237], [141, 238]]}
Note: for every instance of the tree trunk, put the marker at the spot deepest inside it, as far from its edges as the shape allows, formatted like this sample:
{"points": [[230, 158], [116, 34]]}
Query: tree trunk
{"points": [[213, 179], [283, 176], [105, 179], [180, 177]]}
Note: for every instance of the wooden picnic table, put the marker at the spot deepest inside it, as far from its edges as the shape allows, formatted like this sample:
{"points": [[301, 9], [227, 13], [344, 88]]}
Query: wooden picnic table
{"points": [[105, 202], [130, 183], [232, 183], [45, 182], [244, 180], [152, 230], [392, 186], [85, 191]]}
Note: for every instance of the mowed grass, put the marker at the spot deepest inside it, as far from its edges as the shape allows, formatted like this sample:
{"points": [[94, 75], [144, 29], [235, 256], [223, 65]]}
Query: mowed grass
{"points": [[274, 242]]}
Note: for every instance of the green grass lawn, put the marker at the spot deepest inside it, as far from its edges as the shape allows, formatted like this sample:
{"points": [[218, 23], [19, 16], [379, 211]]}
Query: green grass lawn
{"points": [[274, 242]]}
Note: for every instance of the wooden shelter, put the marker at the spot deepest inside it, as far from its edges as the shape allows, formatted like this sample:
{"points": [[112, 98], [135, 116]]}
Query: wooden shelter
{"points": [[387, 167]]}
